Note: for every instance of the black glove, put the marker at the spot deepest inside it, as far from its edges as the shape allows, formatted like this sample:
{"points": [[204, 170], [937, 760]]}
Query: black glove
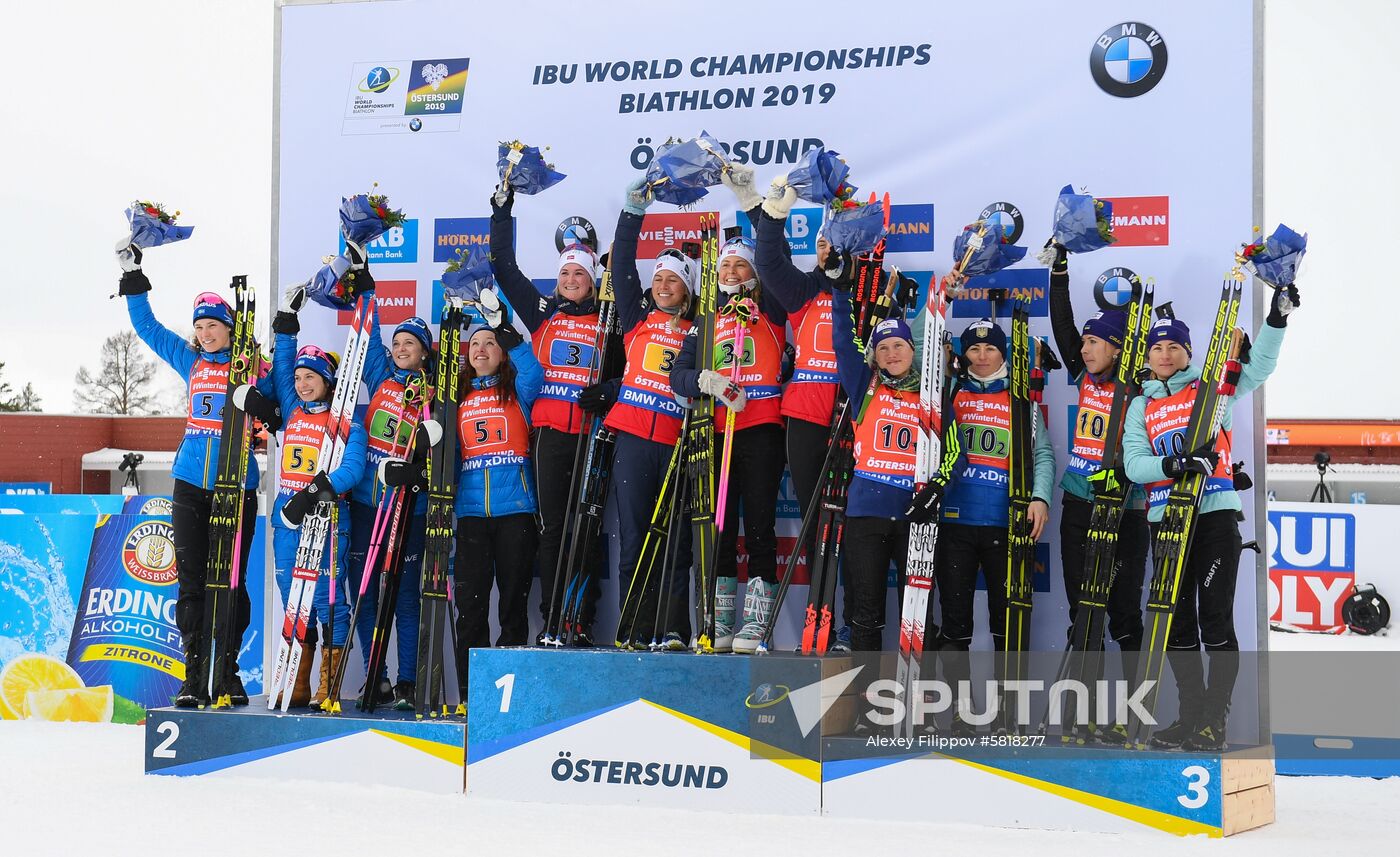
{"points": [[252, 402], [840, 268], [133, 283], [507, 336], [1202, 461], [403, 474], [1284, 302], [286, 322], [302, 502], [359, 282], [925, 502], [598, 398], [502, 201]]}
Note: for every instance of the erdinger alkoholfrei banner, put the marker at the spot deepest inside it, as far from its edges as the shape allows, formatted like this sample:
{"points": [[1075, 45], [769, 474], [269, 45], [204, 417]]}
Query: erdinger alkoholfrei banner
{"points": [[957, 111]]}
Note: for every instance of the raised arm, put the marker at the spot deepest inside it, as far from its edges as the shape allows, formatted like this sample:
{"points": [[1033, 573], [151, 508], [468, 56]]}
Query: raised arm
{"points": [[168, 345], [522, 294], [850, 359], [1067, 338], [626, 280]]}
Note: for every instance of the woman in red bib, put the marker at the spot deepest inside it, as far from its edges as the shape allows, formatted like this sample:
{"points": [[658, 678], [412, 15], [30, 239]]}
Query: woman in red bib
{"points": [[496, 529], [563, 329]]}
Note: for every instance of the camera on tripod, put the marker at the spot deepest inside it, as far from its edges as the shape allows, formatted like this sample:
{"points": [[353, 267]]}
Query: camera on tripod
{"points": [[130, 462], [1321, 494]]}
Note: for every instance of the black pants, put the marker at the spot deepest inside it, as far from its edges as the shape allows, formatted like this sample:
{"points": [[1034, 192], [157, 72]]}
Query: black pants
{"points": [[499, 550], [639, 468], [867, 547], [553, 455], [807, 445], [755, 476], [962, 551], [1205, 614], [1129, 569], [189, 517]]}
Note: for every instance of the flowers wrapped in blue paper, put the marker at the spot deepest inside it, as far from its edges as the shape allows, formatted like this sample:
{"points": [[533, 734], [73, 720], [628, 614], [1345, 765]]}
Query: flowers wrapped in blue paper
{"points": [[331, 287], [1082, 223], [820, 177], [468, 274], [365, 217], [152, 227], [529, 174], [1275, 259], [990, 255], [681, 172], [855, 230]]}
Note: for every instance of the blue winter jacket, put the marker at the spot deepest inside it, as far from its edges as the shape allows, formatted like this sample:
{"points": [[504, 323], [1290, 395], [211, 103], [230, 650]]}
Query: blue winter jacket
{"points": [[197, 459], [1142, 463], [352, 460], [503, 489]]}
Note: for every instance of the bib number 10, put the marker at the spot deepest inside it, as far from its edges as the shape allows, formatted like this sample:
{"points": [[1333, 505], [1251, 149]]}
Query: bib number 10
{"points": [[985, 440]]}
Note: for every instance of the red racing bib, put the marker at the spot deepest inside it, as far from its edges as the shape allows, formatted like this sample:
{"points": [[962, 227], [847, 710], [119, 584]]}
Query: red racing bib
{"points": [[1166, 421], [492, 433], [885, 441]]}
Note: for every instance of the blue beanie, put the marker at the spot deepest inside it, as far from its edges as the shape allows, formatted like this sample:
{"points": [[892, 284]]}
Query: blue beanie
{"points": [[210, 305], [323, 363], [891, 328], [419, 328], [1108, 325], [1171, 330], [983, 331]]}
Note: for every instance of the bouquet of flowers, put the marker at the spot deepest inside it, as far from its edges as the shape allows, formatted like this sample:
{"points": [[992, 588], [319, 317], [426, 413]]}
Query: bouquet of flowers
{"points": [[152, 226], [1082, 223], [989, 250], [854, 227], [1275, 259], [820, 177], [682, 171], [524, 168], [467, 273], [366, 216]]}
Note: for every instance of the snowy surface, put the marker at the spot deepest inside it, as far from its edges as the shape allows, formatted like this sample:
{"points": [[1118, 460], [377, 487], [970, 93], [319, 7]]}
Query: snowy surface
{"points": [[70, 780]]}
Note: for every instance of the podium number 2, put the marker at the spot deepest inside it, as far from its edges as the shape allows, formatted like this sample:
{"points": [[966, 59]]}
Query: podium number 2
{"points": [[507, 684], [171, 730], [1197, 778]]}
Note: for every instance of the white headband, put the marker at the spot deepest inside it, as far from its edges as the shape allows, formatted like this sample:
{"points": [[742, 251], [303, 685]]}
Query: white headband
{"points": [[683, 268], [578, 254]]}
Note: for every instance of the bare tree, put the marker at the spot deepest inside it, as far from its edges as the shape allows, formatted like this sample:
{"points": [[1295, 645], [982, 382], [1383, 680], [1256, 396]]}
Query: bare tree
{"points": [[126, 382], [25, 400]]}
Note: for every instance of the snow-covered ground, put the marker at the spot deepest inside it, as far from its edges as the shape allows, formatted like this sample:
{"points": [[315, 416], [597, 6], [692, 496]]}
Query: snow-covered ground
{"points": [[74, 786]]}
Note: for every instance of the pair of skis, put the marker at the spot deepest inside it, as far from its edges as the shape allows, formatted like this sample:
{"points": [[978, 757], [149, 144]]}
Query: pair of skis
{"points": [[588, 487], [319, 530], [699, 440], [435, 623], [226, 547], [1171, 545]]}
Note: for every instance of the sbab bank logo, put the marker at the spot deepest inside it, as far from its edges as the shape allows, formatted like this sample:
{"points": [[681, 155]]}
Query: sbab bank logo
{"points": [[1128, 59]]}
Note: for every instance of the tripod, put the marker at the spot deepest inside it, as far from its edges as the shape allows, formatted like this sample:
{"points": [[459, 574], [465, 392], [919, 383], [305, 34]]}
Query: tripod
{"points": [[1321, 493]]}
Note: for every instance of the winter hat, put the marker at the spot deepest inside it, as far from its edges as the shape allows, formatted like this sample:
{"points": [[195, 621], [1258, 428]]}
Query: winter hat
{"points": [[740, 246], [210, 305], [891, 328], [419, 328], [1108, 325], [323, 363], [983, 331], [1170, 330], [677, 263], [581, 255]]}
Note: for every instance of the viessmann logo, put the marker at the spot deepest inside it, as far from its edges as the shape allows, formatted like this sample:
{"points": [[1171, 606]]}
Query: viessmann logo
{"points": [[1141, 221], [667, 232]]}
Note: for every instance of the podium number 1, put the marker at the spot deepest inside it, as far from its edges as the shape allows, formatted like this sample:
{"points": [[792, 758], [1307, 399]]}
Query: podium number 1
{"points": [[1196, 795], [507, 684]]}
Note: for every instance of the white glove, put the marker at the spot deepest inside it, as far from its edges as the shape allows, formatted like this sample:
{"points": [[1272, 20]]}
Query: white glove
{"points": [[637, 197], [781, 198], [356, 254], [293, 298], [723, 389], [489, 303], [434, 430], [739, 178], [128, 255]]}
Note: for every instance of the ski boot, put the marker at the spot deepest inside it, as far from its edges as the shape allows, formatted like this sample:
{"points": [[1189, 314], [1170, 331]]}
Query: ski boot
{"points": [[227, 683], [758, 612], [194, 690], [583, 636], [383, 692], [726, 590], [405, 697], [673, 642], [1209, 734], [841, 645], [330, 662], [1171, 737]]}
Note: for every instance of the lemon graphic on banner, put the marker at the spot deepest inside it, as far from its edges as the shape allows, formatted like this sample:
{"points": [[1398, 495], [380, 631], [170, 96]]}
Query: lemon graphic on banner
{"points": [[80, 704], [30, 672]]}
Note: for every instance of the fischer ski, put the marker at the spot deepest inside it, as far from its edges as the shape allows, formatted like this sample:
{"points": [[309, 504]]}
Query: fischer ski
{"points": [[699, 440]]}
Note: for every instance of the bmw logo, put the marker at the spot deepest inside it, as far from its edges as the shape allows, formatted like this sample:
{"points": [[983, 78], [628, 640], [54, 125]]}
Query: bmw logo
{"points": [[415, 124], [1009, 216], [575, 230], [1115, 288], [1128, 59], [379, 79]]}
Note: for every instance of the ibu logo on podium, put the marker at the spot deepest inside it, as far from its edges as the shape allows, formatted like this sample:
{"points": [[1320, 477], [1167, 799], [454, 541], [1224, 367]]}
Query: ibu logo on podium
{"points": [[1312, 567]]}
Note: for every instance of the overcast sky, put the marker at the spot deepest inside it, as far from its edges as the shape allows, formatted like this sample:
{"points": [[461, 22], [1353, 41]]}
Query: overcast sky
{"points": [[178, 107]]}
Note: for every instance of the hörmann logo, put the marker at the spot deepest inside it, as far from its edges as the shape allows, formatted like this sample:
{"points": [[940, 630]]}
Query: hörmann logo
{"points": [[451, 234], [1128, 59]]}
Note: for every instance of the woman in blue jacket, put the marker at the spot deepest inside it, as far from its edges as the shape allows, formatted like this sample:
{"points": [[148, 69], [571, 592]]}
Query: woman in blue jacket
{"points": [[497, 533], [1205, 600], [203, 363], [303, 381]]}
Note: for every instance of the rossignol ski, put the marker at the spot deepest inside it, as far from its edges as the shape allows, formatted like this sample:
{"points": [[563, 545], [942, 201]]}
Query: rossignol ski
{"points": [[388, 534], [923, 538], [699, 439], [435, 623], [1171, 543], [226, 548], [588, 487], [319, 529]]}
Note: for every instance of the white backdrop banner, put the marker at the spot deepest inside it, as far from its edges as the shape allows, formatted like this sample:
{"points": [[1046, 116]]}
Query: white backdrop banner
{"points": [[957, 110]]}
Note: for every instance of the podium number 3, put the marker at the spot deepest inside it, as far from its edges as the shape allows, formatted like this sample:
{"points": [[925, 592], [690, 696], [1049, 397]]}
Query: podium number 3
{"points": [[507, 684], [1197, 778]]}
